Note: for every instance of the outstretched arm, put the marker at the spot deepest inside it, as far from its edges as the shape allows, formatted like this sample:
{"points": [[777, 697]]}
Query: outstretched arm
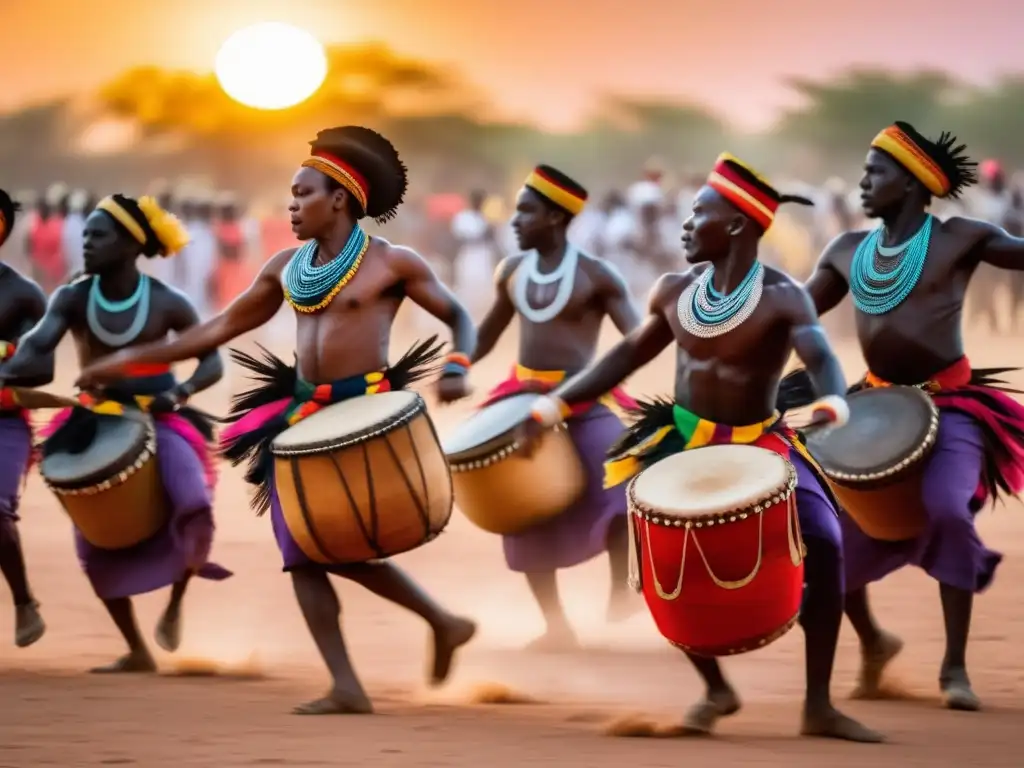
{"points": [[995, 245], [424, 288], [32, 362], [253, 308], [826, 285], [211, 365], [500, 314], [632, 353], [618, 302]]}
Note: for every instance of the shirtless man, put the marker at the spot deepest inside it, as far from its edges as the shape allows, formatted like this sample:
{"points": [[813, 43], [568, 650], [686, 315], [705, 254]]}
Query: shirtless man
{"points": [[346, 289], [22, 304], [908, 279], [735, 324], [560, 322], [113, 306]]}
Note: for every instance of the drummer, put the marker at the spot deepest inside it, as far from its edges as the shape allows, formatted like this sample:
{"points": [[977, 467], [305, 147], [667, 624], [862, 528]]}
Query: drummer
{"points": [[112, 306], [734, 323], [22, 304], [560, 322], [909, 327], [346, 288]]}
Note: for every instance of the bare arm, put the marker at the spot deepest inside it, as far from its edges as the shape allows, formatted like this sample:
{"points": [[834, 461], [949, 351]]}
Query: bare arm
{"points": [[618, 302], [31, 308], [994, 246], [211, 365], [500, 314], [811, 344], [632, 353], [425, 289], [32, 363], [827, 286]]}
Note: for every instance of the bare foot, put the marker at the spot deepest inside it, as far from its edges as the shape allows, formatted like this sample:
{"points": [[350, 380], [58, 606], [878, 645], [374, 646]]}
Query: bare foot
{"points": [[168, 631], [623, 604], [29, 626], [873, 661], [454, 633], [701, 718], [337, 702], [830, 723], [559, 641], [957, 694], [137, 662]]}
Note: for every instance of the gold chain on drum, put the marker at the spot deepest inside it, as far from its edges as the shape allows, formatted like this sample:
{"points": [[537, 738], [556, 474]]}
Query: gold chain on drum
{"points": [[796, 550]]}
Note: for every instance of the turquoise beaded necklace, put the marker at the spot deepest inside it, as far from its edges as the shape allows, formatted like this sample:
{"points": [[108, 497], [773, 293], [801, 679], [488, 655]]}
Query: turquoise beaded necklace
{"points": [[712, 307], [139, 301], [309, 287], [881, 277]]}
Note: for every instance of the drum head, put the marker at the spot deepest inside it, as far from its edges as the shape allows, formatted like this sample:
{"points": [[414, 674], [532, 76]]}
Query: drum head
{"points": [[92, 448], [488, 427], [710, 481], [886, 425], [348, 419]]}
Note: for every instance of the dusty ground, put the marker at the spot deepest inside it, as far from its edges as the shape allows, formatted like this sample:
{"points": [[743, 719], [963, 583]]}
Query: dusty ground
{"points": [[250, 632]]}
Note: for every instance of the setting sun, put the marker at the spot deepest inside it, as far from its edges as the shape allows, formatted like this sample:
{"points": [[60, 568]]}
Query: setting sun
{"points": [[271, 66]]}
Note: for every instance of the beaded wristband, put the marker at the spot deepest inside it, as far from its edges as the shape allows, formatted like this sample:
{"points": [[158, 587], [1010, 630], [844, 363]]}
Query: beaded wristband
{"points": [[550, 410], [834, 407], [456, 364]]}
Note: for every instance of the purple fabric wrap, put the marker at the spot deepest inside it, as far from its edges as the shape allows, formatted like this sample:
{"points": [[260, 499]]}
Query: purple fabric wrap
{"points": [[186, 539], [15, 450], [950, 550], [581, 532]]}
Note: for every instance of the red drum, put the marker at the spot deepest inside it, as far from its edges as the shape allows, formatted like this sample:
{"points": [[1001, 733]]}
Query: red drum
{"points": [[716, 548]]}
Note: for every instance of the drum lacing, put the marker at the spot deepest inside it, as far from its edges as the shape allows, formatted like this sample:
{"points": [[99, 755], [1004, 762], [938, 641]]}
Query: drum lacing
{"points": [[795, 553]]}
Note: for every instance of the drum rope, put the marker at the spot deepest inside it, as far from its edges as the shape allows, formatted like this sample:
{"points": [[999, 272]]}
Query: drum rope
{"points": [[370, 542], [421, 507], [300, 492], [795, 553], [372, 495]]}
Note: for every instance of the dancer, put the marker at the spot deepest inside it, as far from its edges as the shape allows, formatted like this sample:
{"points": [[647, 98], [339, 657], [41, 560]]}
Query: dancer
{"points": [[114, 306], [345, 306], [735, 324], [907, 279], [22, 304], [562, 297]]}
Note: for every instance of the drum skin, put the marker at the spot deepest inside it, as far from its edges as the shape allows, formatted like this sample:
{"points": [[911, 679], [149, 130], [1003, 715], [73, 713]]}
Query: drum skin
{"points": [[368, 496], [502, 491], [707, 617], [883, 495], [124, 508]]}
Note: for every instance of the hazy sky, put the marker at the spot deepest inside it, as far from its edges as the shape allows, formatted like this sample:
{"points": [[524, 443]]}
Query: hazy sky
{"points": [[544, 59]]}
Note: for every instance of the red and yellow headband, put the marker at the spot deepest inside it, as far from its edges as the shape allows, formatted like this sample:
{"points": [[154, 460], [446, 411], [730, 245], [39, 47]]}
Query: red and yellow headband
{"points": [[343, 173], [544, 185], [750, 199], [907, 153]]}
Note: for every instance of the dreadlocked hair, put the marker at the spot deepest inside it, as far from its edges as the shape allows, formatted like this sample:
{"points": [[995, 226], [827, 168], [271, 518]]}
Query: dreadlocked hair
{"points": [[277, 381]]}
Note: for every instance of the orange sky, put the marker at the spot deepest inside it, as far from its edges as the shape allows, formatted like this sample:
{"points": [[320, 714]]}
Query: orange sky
{"points": [[544, 59]]}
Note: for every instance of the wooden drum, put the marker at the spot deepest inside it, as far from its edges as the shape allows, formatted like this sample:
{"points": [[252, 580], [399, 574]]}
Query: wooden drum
{"points": [[499, 489], [363, 479], [103, 469], [716, 548], [875, 462]]}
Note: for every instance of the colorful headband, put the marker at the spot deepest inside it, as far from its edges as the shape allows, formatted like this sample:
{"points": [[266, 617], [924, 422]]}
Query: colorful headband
{"points": [[557, 193], [751, 199], [343, 173], [908, 153], [166, 228]]}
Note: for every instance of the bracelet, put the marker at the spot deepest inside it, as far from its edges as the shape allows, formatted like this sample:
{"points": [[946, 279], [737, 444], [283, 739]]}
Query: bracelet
{"points": [[456, 364], [549, 410], [7, 349], [834, 407]]}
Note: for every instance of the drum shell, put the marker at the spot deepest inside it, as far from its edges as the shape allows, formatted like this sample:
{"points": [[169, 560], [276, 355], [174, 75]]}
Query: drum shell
{"points": [[505, 492], [337, 501], [124, 514], [707, 619], [893, 511]]}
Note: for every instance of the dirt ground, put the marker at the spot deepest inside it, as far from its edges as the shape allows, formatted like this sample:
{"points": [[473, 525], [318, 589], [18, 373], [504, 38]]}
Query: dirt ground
{"points": [[224, 699]]}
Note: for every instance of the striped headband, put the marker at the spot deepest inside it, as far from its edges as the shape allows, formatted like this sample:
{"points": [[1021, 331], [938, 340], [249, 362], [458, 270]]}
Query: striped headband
{"points": [[334, 167], [751, 199], [543, 184], [908, 153], [164, 227]]}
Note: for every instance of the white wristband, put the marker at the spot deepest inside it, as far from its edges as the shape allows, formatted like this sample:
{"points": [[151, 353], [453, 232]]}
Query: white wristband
{"points": [[548, 410], [835, 406]]}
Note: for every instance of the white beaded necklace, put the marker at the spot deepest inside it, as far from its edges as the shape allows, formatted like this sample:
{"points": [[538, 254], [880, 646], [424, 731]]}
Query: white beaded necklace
{"points": [[529, 271], [700, 292]]}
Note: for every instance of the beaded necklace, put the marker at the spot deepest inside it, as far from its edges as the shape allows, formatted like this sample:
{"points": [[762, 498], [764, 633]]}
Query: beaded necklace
{"points": [[138, 301], [310, 287], [529, 272], [706, 313], [881, 277]]}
